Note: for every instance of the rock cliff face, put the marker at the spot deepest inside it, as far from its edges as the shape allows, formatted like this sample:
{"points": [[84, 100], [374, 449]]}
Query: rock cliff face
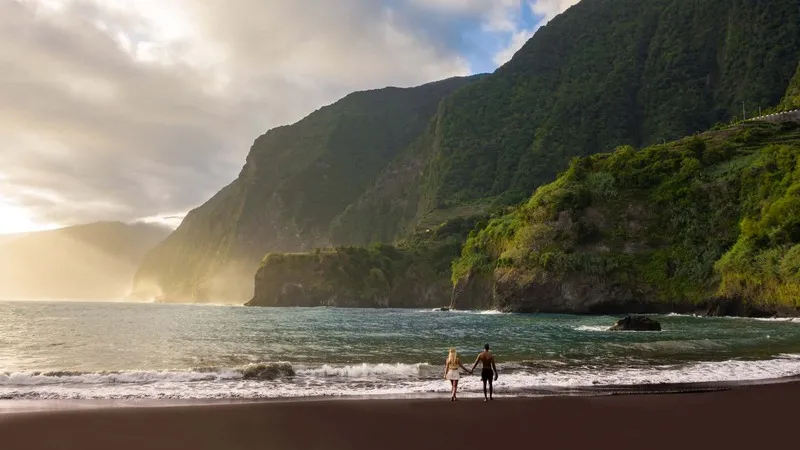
{"points": [[377, 166], [296, 180], [708, 224], [348, 278], [415, 274]]}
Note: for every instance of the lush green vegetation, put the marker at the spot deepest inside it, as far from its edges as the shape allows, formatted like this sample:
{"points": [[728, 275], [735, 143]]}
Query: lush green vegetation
{"points": [[296, 180], [603, 74], [716, 214], [414, 273], [792, 99], [378, 165]]}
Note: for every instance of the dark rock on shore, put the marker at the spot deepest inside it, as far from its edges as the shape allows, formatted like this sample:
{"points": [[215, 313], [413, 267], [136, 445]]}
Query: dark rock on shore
{"points": [[636, 323], [271, 371], [739, 307]]}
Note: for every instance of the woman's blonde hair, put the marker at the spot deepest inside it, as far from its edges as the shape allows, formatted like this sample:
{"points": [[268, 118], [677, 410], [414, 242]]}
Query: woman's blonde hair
{"points": [[452, 355]]}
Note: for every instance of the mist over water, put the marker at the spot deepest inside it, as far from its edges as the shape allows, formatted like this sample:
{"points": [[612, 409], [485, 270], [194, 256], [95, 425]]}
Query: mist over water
{"points": [[128, 350]]}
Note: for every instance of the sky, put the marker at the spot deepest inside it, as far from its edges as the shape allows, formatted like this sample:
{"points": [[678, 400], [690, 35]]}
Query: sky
{"points": [[143, 109]]}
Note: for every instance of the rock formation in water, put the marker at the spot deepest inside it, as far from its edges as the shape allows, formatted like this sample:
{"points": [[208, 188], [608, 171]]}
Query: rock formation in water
{"points": [[636, 323]]}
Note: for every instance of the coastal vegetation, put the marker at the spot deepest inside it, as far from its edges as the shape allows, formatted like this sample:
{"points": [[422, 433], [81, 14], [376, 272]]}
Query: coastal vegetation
{"points": [[678, 226], [415, 273], [606, 87]]}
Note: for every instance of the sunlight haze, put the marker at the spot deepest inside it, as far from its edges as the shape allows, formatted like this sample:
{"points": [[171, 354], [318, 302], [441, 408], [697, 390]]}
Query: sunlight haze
{"points": [[130, 109]]}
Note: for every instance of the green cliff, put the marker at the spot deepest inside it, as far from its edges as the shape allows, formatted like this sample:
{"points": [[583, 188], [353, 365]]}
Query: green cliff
{"points": [[792, 99], [296, 180], [414, 274], [377, 166], [708, 223], [604, 73]]}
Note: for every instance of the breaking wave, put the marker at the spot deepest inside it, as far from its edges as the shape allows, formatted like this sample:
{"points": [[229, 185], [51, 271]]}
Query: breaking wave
{"points": [[286, 381]]}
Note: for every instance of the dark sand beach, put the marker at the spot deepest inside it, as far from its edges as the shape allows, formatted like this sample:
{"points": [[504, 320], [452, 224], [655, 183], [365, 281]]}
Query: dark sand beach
{"points": [[743, 417]]}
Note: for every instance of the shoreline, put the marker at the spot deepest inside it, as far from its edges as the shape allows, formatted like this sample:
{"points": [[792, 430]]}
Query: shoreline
{"points": [[24, 406], [756, 416]]}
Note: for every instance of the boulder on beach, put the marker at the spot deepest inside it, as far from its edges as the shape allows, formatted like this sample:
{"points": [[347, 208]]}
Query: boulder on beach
{"points": [[636, 323], [270, 371]]}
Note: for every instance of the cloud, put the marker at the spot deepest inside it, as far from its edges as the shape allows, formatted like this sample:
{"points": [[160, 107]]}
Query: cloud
{"points": [[127, 109], [142, 109]]}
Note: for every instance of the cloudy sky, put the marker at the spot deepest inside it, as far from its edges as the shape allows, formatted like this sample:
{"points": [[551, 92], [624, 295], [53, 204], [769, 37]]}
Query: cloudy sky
{"points": [[142, 109]]}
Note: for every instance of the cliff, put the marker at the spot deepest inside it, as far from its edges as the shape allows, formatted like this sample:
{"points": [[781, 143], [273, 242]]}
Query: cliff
{"points": [[378, 165], [415, 274], [604, 73], [296, 180], [791, 100], [93, 261], [709, 223]]}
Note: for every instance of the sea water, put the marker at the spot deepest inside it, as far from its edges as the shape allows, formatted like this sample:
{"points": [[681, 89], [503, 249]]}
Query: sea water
{"points": [[65, 350]]}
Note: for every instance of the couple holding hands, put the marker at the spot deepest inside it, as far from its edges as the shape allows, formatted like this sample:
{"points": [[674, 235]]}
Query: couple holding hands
{"points": [[489, 370]]}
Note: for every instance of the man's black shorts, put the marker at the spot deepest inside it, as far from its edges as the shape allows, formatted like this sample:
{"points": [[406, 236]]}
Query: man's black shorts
{"points": [[487, 374]]}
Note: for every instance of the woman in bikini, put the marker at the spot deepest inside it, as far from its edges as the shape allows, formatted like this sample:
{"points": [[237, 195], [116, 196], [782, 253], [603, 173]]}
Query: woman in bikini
{"points": [[451, 371]]}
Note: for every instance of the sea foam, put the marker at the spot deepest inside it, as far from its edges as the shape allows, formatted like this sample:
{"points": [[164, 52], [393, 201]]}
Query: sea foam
{"points": [[370, 380]]}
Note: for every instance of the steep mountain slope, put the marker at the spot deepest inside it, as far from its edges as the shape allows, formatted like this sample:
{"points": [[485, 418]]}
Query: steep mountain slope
{"points": [[709, 223], [93, 261], [791, 100], [414, 274], [296, 180], [602, 74]]}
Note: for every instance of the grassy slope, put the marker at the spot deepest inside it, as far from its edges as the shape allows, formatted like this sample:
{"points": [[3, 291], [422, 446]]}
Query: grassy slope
{"points": [[603, 74], [711, 216]]}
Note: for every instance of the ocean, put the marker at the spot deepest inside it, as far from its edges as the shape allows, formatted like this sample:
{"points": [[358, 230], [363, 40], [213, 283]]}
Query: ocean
{"points": [[72, 350]]}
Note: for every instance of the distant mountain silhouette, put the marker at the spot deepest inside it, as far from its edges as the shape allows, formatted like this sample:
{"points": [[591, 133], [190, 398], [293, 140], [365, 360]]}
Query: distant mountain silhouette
{"points": [[92, 261]]}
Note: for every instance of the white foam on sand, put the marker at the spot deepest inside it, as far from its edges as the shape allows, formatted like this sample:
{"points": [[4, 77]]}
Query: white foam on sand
{"points": [[369, 380]]}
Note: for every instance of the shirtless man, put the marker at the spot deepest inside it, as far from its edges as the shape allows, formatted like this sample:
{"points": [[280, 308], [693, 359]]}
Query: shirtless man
{"points": [[489, 368]]}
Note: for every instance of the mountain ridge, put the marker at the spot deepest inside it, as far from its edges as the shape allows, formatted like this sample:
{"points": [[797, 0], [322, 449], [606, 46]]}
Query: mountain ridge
{"points": [[602, 74], [88, 261]]}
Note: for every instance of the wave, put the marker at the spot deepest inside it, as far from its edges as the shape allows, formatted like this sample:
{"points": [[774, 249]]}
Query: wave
{"points": [[369, 380], [260, 371], [593, 328], [370, 370]]}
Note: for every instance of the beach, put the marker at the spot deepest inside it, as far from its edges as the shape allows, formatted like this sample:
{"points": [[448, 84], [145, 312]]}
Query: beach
{"points": [[759, 416]]}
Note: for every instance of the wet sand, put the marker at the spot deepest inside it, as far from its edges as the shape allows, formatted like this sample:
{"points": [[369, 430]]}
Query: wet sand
{"points": [[742, 417]]}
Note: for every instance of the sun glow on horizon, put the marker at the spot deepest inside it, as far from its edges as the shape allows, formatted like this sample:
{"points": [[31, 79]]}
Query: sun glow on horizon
{"points": [[16, 219]]}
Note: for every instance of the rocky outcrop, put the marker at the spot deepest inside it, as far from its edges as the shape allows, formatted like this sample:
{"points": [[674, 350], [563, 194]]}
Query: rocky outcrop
{"points": [[636, 323], [268, 371], [348, 277], [669, 228], [740, 307], [296, 180]]}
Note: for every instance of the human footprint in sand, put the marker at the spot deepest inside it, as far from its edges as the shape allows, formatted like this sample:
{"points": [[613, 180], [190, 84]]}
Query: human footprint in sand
{"points": [[489, 368], [451, 371]]}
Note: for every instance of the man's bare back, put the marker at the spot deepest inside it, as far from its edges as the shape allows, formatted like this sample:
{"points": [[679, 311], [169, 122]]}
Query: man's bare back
{"points": [[486, 358]]}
